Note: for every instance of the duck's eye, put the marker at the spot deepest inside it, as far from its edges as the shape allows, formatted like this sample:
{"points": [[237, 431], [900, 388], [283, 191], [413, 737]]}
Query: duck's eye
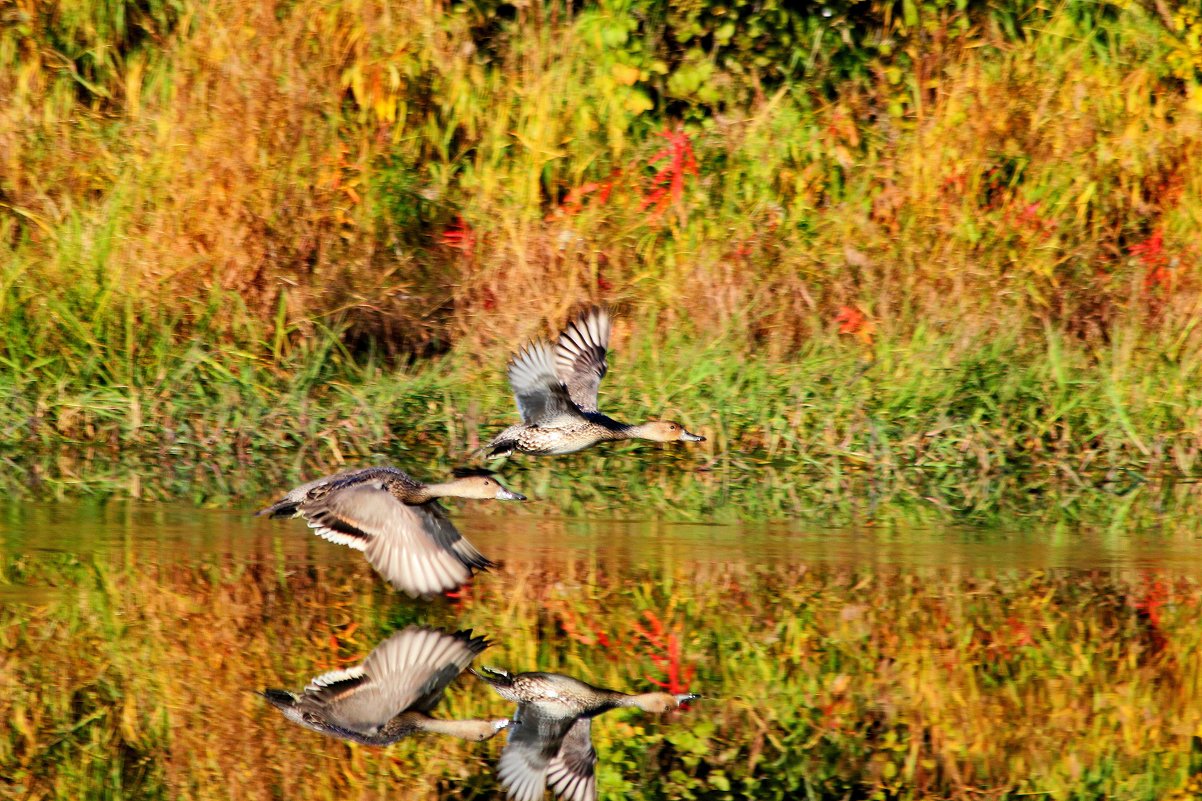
{"points": [[671, 428]]}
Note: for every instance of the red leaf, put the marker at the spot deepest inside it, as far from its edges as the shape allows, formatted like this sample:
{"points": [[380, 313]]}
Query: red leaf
{"points": [[460, 236], [668, 183]]}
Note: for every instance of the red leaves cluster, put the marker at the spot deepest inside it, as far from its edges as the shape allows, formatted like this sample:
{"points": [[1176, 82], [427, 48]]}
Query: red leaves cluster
{"points": [[668, 184], [663, 647], [460, 236], [1155, 260], [850, 319], [676, 160], [854, 322], [573, 202]]}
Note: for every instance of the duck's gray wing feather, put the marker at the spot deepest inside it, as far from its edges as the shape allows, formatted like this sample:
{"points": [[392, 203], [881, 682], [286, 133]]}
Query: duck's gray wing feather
{"points": [[580, 357], [399, 541], [408, 671], [534, 740], [439, 526], [541, 397], [572, 773]]}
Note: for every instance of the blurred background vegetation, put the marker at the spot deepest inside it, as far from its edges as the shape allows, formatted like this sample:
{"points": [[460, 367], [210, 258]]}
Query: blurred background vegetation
{"points": [[951, 236]]}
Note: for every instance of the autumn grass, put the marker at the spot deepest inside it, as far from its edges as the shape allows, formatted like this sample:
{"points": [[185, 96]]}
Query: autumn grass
{"points": [[132, 678], [417, 171], [945, 261]]}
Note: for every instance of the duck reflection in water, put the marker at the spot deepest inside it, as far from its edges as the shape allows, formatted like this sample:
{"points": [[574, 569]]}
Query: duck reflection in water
{"points": [[550, 740], [390, 695], [397, 522]]}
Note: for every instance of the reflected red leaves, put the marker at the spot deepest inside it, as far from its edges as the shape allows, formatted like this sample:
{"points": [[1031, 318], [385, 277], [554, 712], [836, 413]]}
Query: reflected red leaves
{"points": [[582, 629], [1148, 611], [650, 638], [662, 645]]}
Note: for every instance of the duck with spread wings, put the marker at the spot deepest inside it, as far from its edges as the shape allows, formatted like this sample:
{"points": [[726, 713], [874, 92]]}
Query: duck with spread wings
{"points": [[556, 390], [550, 738]]}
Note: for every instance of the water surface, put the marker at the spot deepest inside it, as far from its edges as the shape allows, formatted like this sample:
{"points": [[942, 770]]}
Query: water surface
{"points": [[834, 663]]}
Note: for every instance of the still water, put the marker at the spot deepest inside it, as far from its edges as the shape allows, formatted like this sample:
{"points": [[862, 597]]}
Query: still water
{"points": [[929, 663]]}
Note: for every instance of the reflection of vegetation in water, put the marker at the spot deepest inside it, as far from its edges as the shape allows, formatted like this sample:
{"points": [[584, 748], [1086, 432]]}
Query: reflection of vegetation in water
{"points": [[135, 681]]}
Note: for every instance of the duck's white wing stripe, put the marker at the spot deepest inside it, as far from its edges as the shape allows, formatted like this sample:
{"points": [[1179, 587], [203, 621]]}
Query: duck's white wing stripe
{"points": [[338, 537]]}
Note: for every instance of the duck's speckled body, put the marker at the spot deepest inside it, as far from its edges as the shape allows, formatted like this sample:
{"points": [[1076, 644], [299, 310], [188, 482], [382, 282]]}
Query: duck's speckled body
{"points": [[397, 522]]}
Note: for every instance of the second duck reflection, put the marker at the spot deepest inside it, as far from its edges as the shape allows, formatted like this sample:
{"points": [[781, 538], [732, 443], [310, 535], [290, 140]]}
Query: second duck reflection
{"points": [[392, 693]]}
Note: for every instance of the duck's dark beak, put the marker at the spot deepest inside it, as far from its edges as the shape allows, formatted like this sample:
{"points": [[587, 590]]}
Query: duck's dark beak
{"points": [[509, 495], [686, 697], [685, 436]]}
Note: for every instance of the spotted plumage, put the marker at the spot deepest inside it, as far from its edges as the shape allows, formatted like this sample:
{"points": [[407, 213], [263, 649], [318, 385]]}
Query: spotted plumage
{"points": [[391, 693]]}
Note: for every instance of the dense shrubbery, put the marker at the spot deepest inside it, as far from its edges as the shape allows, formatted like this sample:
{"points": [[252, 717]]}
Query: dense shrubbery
{"points": [[414, 173], [213, 188]]}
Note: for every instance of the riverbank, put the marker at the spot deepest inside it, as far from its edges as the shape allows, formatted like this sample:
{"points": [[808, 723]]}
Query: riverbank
{"points": [[934, 428]]}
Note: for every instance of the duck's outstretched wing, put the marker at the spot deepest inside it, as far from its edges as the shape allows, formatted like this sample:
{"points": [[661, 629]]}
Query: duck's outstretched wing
{"points": [[572, 774], [418, 551], [440, 527], [534, 741], [541, 397], [408, 671], [580, 356]]}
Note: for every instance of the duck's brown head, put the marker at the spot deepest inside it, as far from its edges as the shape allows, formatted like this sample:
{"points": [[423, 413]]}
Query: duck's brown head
{"points": [[659, 703], [667, 431], [479, 484]]}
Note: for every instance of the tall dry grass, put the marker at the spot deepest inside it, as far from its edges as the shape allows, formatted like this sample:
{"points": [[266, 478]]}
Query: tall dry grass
{"points": [[430, 172]]}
